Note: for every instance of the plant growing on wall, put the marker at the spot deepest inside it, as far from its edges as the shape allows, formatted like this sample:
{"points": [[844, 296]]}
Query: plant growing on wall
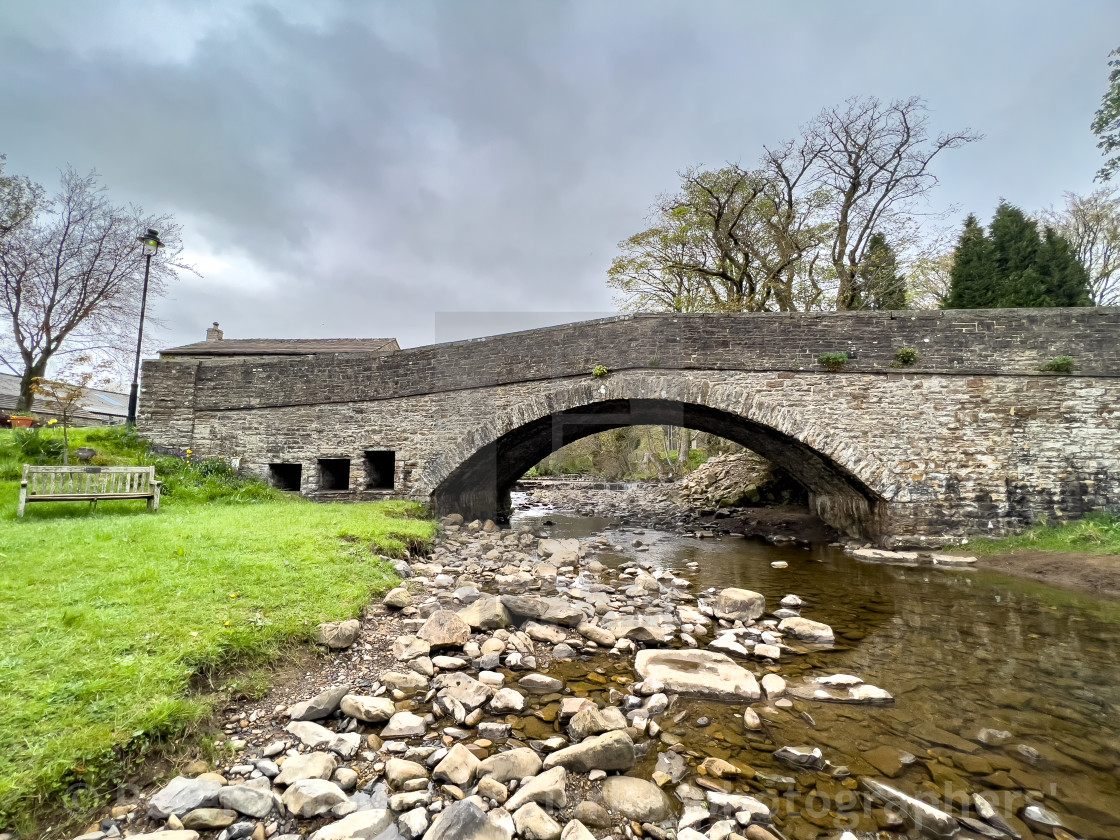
{"points": [[599, 371], [1060, 364], [833, 361], [905, 357]]}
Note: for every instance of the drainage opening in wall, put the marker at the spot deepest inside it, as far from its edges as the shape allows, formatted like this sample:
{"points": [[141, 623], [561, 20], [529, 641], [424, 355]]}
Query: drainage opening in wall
{"points": [[380, 468], [285, 476], [334, 473]]}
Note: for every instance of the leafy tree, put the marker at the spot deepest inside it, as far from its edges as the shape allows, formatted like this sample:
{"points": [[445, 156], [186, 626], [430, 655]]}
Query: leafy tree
{"points": [[71, 273], [1106, 123], [65, 394], [1015, 266], [1091, 225], [881, 286]]}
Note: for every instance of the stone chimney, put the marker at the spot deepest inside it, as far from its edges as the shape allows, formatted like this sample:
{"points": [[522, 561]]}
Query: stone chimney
{"points": [[214, 334]]}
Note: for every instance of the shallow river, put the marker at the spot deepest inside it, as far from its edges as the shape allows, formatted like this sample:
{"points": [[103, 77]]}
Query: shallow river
{"points": [[960, 651]]}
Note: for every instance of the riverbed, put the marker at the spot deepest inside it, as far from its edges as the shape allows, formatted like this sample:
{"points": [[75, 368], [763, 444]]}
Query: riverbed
{"points": [[1000, 687]]}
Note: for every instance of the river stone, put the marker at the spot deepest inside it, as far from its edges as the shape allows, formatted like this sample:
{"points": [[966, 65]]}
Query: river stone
{"points": [[540, 684], [404, 725], [698, 673], [312, 735], [575, 830], [533, 823], [886, 759], [773, 685], [635, 799], [368, 709], [507, 700], [549, 633], [592, 814], [181, 795], [408, 682], [552, 610], [250, 801], [925, 818], [315, 765], [548, 547], [445, 629], [740, 604], [181, 834], [363, 825], [413, 824], [457, 767], [464, 820], [549, 789], [338, 635], [611, 751], [806, 630], [486, 614], [320, 706], [598, 635], [397, 599], [407, 648], [208, 819], [467, 690], [399, 770], [512, 764], [592, 721], [312, 797], [736, 803]]}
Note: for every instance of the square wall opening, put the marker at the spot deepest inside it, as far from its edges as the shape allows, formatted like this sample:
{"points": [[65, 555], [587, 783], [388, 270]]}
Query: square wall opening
{"points": [[381, 467], [285, 476], [334, 473]]}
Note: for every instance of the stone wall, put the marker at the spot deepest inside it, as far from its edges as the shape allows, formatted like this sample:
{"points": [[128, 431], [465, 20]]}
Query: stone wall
{"points": [[971, 438]]}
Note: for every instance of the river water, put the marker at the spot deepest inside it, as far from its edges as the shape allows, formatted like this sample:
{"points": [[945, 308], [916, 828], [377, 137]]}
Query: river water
{"points": [[961, 651]]}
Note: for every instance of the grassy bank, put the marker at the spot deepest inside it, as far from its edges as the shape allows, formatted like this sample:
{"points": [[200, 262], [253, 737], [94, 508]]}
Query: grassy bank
{"points": [[1097, 533], [106, 618]]}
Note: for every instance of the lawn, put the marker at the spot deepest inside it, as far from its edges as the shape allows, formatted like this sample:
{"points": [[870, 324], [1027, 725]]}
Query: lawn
{"points": [[1097, 533], [107, 618]]}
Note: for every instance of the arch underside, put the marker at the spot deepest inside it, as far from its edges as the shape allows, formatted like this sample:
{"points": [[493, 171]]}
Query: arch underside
{"points": [[480, 486]]}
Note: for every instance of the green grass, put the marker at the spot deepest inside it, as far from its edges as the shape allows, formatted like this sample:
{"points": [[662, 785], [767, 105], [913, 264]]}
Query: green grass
{"points": [[1095, 534], [108, 618]]}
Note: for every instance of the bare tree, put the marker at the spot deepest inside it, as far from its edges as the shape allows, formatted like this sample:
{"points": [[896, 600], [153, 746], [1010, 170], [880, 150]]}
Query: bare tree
{"points": [[874, 162], [1091, 224], [70, 275], [19, 198]]}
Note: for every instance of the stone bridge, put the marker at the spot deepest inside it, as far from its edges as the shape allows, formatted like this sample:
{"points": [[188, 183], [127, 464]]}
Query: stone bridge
{"points": [[971, 438]]}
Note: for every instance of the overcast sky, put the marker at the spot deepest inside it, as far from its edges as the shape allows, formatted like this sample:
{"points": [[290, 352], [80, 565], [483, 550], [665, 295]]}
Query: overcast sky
{"points": [[355, 169]]}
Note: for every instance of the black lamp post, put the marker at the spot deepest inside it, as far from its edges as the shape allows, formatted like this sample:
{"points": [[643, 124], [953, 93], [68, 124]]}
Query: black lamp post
{"points": [[150, 243]]}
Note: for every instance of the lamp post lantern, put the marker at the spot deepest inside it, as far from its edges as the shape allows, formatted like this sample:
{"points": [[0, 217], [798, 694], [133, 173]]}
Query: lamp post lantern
{"points": [[150, 243]]}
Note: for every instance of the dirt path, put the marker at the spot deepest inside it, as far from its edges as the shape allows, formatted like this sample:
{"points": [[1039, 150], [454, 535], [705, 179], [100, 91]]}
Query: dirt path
{"points": [[1098, 574]]}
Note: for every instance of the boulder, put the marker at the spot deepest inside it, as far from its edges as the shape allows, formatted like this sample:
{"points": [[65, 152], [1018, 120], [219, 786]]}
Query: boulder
{"points": [[464, 820], [639, 630], [320, 706], [806, 630], [598, 635], [250, 801], [407, 648], [698, 673], [575, 830], [635, 799], [457, 767], [408, 682], [507, 700], [397, 599], [182, 795], [314, 765], [552, 610], [592, 721], [534, 823], [312, 797], [467, 690], [338, 635], [398, 771], [510, 765], [362, 825], [445, 629], [368, 709], [549, 789], [540, 684], [611, 751], [486, 614], [413, 824], [404, 725], [740, 605]]}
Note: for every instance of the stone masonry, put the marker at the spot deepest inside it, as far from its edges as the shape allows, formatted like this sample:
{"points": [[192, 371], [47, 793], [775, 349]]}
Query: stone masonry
{"points": [[972, 438]]}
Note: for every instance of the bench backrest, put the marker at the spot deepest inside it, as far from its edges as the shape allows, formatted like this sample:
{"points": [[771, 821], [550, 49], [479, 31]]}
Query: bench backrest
{"points": [[92, 481]]}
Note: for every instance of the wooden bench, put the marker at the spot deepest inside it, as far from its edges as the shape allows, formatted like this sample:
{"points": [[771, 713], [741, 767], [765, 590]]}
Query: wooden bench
{"points": [[88, 484]]}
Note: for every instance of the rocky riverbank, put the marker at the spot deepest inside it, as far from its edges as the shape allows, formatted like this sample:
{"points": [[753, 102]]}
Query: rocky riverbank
{"points": [[518, 686]]}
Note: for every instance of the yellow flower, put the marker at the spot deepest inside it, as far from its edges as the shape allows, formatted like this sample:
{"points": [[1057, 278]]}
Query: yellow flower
{"points": [[227, 624], [51, 422]]}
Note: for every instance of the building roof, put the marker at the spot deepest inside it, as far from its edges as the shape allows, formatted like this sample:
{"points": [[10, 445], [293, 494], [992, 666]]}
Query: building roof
{"points": [[283, 346], [95, 401]]}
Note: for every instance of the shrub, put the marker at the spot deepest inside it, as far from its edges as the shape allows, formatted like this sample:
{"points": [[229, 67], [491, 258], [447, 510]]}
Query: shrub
{"points": [[37, 448], [599, 371], [833, 361], [905, 357], [1061, 364]]}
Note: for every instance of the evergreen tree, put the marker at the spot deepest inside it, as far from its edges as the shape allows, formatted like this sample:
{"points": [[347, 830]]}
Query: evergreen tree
{"points": [[1014, 266], [972, 280], [881, 286]]}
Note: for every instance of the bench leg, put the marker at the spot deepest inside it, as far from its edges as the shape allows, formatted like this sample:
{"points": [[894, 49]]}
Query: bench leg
{"points": [[22, 499]]}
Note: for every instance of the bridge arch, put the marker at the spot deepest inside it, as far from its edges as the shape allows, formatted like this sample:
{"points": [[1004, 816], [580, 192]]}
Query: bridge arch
{"points": [[847, 486]]}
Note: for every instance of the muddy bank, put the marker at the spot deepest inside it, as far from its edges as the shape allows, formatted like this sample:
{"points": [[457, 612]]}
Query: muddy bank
{"points": [[1097, 574]]}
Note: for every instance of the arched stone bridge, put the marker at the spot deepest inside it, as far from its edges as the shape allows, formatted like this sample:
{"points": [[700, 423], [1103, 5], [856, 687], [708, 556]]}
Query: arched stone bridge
{"points": [[972, 438]]}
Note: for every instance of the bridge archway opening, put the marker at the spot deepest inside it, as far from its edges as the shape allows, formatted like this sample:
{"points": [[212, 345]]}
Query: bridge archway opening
{"points": [[480, 485]]}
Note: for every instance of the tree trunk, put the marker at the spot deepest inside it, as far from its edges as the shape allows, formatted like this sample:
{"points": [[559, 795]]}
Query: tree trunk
{"points": [[26, 397], [682, 453]]}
